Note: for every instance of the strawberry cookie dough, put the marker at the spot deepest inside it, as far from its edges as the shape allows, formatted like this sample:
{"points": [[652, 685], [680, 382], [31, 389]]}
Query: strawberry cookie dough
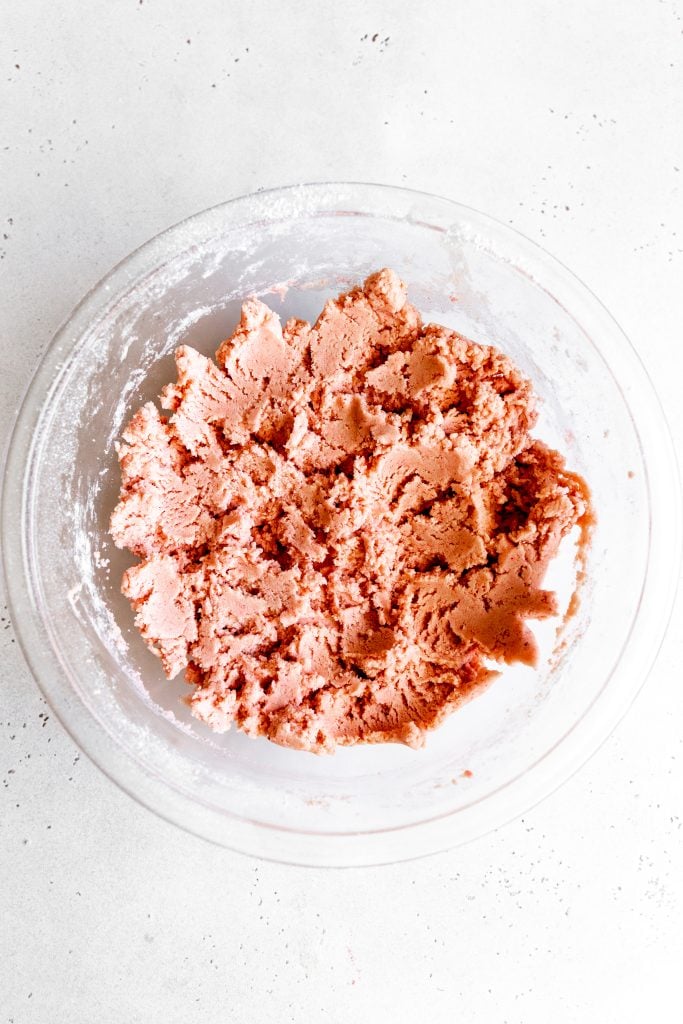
{"points": [[340, 526]]}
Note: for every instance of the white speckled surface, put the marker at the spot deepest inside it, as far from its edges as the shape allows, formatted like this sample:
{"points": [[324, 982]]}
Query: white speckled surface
{"points": [[564, 120]]}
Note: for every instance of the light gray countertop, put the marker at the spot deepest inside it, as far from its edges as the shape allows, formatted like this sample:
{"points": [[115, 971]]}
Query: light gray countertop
{"points": [[564, 120]]}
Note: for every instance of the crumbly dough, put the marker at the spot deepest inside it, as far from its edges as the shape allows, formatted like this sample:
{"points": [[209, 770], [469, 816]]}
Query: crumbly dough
{"points": [[338, 525]]}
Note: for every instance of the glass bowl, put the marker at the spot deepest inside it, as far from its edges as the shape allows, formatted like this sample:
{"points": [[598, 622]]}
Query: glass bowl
{"points": [[497, 755]]}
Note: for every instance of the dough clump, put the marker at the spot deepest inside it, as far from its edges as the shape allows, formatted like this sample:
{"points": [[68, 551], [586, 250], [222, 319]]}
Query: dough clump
{"points": [[338, 526]]}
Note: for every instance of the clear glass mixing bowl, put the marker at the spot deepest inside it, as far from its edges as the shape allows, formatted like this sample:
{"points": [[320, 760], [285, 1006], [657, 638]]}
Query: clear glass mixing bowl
{"points": [[496, 756]]}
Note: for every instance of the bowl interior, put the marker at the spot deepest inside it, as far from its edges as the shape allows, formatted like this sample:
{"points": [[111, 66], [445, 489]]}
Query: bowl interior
{"points": [[187, 288]]}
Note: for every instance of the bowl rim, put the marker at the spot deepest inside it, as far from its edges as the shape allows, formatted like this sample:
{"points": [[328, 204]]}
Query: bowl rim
{"points": [[260, 838]]}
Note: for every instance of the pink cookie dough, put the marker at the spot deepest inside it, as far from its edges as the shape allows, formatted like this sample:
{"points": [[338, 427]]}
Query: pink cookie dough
{"points": [[339, 526]]}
